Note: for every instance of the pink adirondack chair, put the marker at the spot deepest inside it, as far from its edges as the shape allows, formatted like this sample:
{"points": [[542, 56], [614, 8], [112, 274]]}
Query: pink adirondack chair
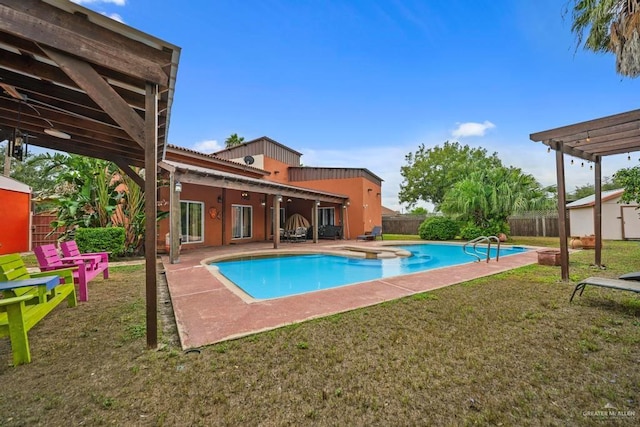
{"points": [[99, 260], [49, 260]]}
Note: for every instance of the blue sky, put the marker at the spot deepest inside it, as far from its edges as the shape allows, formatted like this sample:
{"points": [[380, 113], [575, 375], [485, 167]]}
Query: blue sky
{"points": [[361, 83]]}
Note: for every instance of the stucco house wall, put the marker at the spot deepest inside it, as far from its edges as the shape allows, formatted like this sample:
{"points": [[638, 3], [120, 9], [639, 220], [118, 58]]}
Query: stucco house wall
{"points": [[15, 209]]}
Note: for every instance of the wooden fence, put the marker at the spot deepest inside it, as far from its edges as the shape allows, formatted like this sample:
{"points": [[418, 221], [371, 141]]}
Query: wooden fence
{"points": [[529, 224], [402, 224], [535, 224], [41, 226]]}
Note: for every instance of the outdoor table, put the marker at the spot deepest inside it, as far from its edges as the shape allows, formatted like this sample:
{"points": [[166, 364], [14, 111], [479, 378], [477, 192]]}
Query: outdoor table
{"points": [[44, 285]]}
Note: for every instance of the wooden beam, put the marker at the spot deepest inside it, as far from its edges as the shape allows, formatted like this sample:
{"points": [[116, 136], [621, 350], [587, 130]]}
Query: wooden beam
{"points": [[276, 221], [597, 217], [583, 127], [104, 95], [46, 33], [124, 166], [175, 218], [562, 216], [150, 207]]}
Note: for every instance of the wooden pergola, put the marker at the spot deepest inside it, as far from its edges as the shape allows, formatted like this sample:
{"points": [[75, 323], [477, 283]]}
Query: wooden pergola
{"points": [[591, 140], [76, 81]]}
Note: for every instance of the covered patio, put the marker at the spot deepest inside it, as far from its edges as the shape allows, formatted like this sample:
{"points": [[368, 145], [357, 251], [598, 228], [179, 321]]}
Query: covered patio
{"points": [[76, 81], [591, 141]]}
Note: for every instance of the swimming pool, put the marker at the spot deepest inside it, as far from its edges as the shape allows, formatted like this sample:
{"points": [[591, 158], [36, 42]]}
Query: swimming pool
{"points": [[283, 275]]}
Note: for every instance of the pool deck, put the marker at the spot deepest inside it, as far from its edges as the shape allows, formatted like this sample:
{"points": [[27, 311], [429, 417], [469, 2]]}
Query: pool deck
{"points": [[207, 311]]}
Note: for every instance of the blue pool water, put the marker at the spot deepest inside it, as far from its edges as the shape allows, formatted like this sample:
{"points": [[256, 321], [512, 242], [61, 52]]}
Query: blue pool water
{"points": [[278, 276]]}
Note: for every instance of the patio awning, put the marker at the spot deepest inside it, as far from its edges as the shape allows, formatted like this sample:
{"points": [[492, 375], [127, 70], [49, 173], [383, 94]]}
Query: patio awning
{"points": [[77, 81], [590, 140]]}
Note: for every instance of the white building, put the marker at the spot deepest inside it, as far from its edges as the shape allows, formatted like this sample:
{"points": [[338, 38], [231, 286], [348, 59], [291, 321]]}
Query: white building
{"points": [[619, 220]]}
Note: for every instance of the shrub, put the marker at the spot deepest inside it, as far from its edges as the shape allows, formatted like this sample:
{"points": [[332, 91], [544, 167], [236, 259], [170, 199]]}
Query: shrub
{"points": [[438, 228], [470, 231], [109, 239]]}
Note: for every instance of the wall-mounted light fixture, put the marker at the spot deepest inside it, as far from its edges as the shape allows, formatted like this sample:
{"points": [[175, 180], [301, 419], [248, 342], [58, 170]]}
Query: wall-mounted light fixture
{"points": [[219, 199], [263, 202], [280, 199], [288, 200], [177, 187], [244, 195], [317, 202]]}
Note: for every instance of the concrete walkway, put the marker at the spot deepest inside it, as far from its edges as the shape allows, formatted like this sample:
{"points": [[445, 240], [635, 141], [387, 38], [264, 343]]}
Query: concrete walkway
{"points": [[209, 310]]}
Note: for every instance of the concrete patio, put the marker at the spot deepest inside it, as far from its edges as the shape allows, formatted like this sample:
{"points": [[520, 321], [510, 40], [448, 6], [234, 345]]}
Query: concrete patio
{"points": [[208, 311]]}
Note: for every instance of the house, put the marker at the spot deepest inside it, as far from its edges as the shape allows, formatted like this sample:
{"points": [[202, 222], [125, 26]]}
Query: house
{"points": [[619, 220], [239, 194], [15, 209]]}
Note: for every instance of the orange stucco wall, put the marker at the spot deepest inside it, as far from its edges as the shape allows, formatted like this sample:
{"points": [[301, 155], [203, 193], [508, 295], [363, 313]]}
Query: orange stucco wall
{"points": [[365, 207], [279, 171], [15, 211]]}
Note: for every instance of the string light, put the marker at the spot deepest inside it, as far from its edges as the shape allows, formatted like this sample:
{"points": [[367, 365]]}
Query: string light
{"points": [[588, 138]]}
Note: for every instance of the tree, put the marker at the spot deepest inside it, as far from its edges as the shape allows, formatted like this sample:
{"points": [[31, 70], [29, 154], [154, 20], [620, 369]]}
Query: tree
{"points": [[629, 179], [419, 211], [31, 171], [490, 196], [610, 26], [430, 173], [589, 189], [233, 140]]}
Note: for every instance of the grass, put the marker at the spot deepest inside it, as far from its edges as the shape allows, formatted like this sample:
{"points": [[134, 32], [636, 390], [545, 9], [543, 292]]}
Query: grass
{"points": [[502, 350]]}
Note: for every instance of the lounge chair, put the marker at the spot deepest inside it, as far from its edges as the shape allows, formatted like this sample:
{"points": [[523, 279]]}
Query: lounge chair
{"points": [[375, 232], [604, 282]]}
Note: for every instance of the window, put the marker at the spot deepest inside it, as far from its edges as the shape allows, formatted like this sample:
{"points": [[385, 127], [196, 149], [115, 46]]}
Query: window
{"points": [[326, 216], [191, 221], [241, 221]]}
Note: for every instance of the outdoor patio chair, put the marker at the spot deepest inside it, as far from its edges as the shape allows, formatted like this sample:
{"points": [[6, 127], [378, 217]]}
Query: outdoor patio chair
{"points": [[375, 232], [299, 235]]}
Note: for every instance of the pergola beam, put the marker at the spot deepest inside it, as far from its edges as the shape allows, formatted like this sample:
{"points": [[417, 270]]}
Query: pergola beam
{"points": [[38, 30]]}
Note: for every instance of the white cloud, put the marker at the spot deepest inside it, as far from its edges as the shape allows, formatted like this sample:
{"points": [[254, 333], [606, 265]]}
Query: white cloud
{"points": [[114, 16], [116, 2], [472, 129], [208, 146]]}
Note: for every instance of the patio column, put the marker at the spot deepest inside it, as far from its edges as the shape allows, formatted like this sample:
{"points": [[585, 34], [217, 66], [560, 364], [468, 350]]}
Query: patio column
{"points": [[314, 220], [150, 209], [174, 219], [562, 207], [597, 211], [276, 220]]}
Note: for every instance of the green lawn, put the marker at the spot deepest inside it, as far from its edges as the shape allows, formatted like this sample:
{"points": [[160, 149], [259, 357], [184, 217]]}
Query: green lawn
{"points": [[502, 350]]}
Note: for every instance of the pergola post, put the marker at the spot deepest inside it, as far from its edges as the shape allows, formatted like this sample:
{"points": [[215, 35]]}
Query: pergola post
{"points": [[597, 212], [562, 216], [150, 206], [276, 221], [174, 220]]}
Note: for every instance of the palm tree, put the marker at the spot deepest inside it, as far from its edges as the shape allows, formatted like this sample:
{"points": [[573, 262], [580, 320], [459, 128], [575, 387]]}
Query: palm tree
{"points": [[610, 26], [233, 140]]}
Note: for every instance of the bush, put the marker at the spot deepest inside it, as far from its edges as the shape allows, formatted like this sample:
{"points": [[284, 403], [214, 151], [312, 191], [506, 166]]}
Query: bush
{"points": [[438, 228], [470, 231], [110, 239]]}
